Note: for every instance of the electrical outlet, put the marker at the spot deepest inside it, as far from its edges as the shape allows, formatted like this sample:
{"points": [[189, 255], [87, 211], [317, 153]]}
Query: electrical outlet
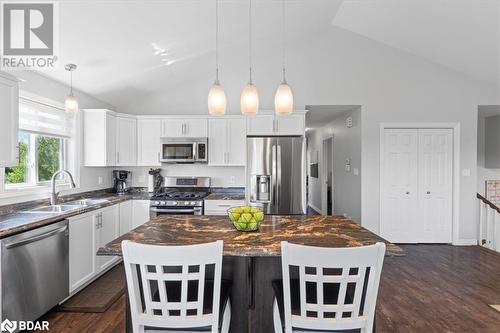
{"points": [[355, 171], [232, 179], [99, 180]]}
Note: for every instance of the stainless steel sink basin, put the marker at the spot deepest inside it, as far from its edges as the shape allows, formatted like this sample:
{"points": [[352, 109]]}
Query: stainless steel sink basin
{"points": [[56, 209], [87, 202]]}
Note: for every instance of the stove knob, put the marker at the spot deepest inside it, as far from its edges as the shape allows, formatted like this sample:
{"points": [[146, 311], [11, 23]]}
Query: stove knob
{"points": [[193, 203], [174, 203], [186, 203], [163, 203], [157, 203]]}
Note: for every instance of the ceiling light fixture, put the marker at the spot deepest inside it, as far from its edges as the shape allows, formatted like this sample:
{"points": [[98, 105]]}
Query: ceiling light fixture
{"points": [[249, 96], [216, 96], [71, 104], [283, 100]]}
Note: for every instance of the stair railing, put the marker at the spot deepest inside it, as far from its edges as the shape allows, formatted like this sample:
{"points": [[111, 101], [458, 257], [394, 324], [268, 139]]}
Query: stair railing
{"points": [[489, 224]]}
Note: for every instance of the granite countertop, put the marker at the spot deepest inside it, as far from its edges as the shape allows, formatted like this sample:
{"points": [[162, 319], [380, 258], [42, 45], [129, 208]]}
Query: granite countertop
{"points": [[224, 196], [327, 231], [14, 220]]}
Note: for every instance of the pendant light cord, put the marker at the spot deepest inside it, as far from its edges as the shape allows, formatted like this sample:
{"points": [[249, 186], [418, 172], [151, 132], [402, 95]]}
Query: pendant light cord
{"points": [[217, 41], [71, 82], [250, 39], [283, 37]]}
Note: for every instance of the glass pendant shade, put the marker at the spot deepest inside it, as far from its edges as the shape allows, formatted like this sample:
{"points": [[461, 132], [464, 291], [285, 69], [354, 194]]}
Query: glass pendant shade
{"points": [[249, 100], [283, 100], [216, 100], [71, 104]]}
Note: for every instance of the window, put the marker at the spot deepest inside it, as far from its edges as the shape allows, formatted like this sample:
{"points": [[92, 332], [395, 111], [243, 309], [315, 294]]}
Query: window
{"points": [[44, 132]]}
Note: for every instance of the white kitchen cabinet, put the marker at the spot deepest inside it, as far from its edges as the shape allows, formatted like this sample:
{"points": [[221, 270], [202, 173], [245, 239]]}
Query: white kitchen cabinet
{"points": [[125, 217], [220, 207], [106, 222], [81, 250], [99, 137], [9, 106], [185, 127], [227, 141], [270, 124], [126, 141], [148, 142], [140, 212]]}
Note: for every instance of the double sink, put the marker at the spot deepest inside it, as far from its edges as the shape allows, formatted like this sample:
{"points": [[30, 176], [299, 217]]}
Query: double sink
{"points": [[67, 206]]}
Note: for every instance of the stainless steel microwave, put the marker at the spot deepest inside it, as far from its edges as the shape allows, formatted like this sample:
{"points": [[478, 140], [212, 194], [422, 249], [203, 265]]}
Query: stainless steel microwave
{"points": [[184, 150]]}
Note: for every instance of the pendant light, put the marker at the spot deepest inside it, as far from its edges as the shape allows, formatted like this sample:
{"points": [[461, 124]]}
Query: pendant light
{"points": [[216, 96], [249, 96], [283, 100], [71, 104]]}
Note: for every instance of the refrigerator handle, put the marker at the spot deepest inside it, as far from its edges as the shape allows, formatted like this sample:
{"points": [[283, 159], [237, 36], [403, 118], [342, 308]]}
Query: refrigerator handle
{"points": [[278, 176], [273, 175]]}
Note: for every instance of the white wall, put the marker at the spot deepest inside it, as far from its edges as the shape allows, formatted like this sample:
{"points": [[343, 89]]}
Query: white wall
{"points": [[48, 88], [220, 176], [483, 174], [346, 145]]}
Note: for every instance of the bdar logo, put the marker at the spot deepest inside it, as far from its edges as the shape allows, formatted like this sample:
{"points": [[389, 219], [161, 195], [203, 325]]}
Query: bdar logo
{"points": [[8, 326]]}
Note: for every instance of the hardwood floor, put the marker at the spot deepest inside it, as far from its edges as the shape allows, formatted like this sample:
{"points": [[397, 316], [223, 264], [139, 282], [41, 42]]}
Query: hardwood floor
{"points": [[434, 288]]}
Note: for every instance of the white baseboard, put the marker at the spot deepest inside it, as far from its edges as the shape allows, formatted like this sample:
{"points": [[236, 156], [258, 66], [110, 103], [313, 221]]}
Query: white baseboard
{"points": [[314, 207], [466, 242]]}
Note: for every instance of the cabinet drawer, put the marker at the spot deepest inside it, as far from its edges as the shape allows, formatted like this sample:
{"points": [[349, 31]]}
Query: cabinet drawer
{"points": [[220, 207]]}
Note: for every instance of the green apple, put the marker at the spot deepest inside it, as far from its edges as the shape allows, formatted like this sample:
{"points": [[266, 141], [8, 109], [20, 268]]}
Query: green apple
{"points": [[252, 226], [237, 210], [234, 216], [241, 226], [254, 210], [246, 217], [259, 216], [247, 209]]}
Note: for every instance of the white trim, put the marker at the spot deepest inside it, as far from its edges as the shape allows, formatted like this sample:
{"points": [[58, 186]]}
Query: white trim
{"points": [[316, 209], [465, 242], [324, 175], [455, 126]]}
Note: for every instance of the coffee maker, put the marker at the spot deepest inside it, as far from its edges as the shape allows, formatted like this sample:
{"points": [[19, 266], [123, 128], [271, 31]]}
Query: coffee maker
{"points": [[121, 183]]}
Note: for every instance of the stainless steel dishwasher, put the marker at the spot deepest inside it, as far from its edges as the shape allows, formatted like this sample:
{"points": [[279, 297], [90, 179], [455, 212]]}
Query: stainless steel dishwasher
{"points": [[35, 271]]}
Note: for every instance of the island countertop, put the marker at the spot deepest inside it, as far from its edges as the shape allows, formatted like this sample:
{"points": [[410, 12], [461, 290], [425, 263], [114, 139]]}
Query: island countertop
{"points": [[314, 230]]}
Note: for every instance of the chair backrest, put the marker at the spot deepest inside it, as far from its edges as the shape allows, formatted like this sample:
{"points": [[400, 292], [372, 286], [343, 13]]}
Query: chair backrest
{"points": [[338, 286], [166, 284]]}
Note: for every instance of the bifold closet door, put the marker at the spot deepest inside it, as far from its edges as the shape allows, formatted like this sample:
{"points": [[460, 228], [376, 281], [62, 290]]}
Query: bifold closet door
{"points": [[416, 185], [435, 187], [399, 209]]}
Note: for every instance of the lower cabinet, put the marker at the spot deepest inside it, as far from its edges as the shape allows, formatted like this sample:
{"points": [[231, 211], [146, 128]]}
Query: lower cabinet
{"points": [[140, 212], [88, 232], [125, 217], [220, 207]]}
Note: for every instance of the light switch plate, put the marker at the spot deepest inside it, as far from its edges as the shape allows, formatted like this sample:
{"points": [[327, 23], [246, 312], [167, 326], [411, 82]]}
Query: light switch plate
{"points": [[99, 180], [355, 171]]}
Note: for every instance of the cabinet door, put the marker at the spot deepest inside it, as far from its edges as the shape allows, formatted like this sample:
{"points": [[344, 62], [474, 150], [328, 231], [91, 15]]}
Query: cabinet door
{"points": [[81, 250], [140, 212], [173, 128], [107, 230], [148, 141], [196, 128], [125, 217], [126, 141], [236, 141], [293, 124], [217, 140], [220, 207], [9, 104], [260, 125], [110, 139]]}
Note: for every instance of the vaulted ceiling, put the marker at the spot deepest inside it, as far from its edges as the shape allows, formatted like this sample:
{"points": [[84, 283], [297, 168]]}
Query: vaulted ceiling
{"points": [[132, 50]]}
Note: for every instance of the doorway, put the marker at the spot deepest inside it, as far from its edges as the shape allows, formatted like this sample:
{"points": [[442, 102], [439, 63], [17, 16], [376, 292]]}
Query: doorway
{"points": [[327, 182]]}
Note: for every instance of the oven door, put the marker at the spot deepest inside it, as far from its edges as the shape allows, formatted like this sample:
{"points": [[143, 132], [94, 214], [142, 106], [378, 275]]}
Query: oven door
{"points": [[155, 211], [178, 152]]}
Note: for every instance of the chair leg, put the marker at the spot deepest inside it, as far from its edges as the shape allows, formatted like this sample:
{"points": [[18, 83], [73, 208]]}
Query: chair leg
{"points": [[278, 328], [226, 319]]}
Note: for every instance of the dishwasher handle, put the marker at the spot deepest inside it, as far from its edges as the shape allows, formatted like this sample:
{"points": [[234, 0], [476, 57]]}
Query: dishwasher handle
{"points": [[36, 238]]}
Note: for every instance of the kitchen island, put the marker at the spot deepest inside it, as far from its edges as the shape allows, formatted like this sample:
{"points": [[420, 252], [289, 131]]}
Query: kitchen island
{"points": [[251, 260]]}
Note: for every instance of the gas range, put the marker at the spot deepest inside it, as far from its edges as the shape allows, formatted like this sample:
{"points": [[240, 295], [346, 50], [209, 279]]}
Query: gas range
{"points": [[181, 195]]}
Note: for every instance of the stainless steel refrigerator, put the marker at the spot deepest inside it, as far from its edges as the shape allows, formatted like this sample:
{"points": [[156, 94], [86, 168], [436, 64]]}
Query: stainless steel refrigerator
{"points": [[276, 174]]}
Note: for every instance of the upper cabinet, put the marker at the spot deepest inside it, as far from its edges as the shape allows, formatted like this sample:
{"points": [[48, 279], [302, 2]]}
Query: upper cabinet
{"points": [[148, 141], [126, 141], [270, 124], [109, 138], [185, 127], [227, 141], [9, 106]]}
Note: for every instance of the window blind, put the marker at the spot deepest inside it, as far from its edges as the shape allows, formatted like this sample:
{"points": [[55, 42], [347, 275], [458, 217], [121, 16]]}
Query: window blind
{"points": [[45, 119]]}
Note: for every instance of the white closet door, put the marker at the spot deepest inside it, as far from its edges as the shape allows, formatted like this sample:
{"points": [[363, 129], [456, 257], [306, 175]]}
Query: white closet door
{"points": [[399, 209], [435, 176]]}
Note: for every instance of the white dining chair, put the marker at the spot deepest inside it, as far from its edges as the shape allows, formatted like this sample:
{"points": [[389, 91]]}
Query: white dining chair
{"points": [[177, 288], [327, 289]]}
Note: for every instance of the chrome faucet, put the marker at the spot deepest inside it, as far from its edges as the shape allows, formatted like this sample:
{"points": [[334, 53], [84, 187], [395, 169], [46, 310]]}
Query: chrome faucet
{"points": [[53, 196]]}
